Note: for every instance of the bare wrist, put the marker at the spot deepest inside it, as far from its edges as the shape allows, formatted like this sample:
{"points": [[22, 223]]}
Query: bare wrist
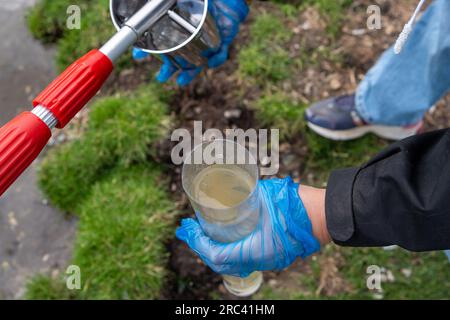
{"points": [[314, 201]]}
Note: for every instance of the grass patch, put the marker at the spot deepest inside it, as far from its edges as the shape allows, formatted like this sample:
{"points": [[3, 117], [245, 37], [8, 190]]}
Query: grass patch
{"points": [[67, 173], [96, 29], [325, 155], [264, 58], [43, 287], [123, 227], [121, 131], [120, 247], [266, 62], [333, 11], [428, 279], [278, 110], [129, 123], [47, 19], [47, 22]]}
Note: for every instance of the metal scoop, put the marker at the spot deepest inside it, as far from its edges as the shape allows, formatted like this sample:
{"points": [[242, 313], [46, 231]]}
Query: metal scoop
{"points": [[184, 28], [159, 26]]}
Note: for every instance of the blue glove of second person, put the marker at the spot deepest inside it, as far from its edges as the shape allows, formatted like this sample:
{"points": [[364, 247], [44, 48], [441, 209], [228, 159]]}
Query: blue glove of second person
{"points": [[228, 14], [284, 233]]}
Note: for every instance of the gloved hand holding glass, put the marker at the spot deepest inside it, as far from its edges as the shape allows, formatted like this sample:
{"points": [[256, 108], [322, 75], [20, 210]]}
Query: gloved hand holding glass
{"points": [[243, 225], [284, 233]]}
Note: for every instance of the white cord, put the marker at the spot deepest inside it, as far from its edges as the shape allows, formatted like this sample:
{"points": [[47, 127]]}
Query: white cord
{"points": [[403, 37]]}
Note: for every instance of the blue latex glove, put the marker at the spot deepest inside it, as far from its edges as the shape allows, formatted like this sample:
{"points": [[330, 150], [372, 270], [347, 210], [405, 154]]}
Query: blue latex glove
{"points": [[228, 14], [283, 234]]}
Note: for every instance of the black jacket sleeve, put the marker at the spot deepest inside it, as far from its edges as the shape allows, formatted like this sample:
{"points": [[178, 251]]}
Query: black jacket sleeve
{"points": [[401, 196]]}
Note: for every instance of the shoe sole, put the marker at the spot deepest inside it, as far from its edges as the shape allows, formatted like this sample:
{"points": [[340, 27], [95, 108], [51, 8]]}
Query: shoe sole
{"points": [[385, 132]]}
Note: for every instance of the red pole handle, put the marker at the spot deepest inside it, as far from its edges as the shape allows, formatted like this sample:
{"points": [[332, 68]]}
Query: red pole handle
{"points": [[22, 139], [70, 92]]}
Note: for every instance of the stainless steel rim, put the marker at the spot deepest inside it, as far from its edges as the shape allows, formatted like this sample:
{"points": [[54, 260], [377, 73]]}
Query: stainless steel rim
{"points": [[182, 45]]}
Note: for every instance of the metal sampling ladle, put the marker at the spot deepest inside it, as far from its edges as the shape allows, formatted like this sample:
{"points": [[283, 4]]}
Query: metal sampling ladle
{"points": [[23, 138], [176, 33]]}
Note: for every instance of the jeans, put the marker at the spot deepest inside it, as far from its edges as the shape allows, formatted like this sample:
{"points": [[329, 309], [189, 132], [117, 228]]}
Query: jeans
{"points": [[399, 89]]}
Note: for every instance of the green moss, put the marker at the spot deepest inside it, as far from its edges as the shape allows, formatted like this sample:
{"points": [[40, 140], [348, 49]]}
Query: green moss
{"points": [[121, 131]]}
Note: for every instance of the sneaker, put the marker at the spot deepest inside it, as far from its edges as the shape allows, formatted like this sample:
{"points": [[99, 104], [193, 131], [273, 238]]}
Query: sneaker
{"points": [[338, 119]]}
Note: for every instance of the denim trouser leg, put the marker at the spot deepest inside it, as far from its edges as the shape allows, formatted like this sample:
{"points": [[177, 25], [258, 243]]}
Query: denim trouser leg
{"points": [[399, 89]]}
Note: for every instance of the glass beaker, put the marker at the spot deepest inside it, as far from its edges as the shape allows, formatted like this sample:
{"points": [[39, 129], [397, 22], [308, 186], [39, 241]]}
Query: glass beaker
{"points": [[221, 180]]}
